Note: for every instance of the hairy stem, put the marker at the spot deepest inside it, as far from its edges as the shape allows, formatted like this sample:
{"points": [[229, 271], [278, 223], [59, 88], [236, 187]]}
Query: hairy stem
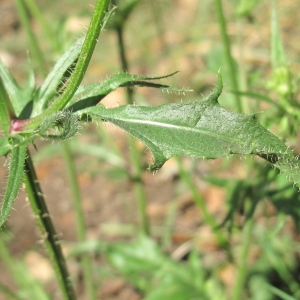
{"points": [[79, 71], [43, 218]]}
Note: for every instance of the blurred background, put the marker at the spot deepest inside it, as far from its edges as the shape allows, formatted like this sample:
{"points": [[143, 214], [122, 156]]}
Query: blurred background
{"points": [[198, 210]]}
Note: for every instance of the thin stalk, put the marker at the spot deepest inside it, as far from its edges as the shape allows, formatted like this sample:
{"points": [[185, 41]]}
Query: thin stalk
{"points": [[168, 226], [80, 223], [200, 202], [242, 70], [43, 218], [36, 13], [81, 228], [34, 46], [227, 46], [134, 152], [242, 261], [81, 233], [78, 73]]}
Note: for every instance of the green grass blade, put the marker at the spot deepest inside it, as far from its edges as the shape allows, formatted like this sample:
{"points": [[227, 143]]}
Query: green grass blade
{"points": [[20, 97], [277, 51], [86, 262], [36, 51], [277, 292], [227, 51], [14, 181], [39, 16], [6, 110]]}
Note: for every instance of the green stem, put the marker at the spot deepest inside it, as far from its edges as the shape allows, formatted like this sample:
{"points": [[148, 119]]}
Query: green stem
{"points": [[242, 261], [200, 202], [79, 71], [80, 223], [81, 232], [51, 241], [227, 46], [35, 12], [135, 156], [34, 46]]}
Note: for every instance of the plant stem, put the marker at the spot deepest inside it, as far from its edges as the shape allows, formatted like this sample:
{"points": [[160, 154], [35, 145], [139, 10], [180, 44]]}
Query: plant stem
{"points": [[81, 232], [34, 46], [227, 46], [51, 241], [79, 71], [80, 223], [134, 152], [35, 12], [242, 262]]}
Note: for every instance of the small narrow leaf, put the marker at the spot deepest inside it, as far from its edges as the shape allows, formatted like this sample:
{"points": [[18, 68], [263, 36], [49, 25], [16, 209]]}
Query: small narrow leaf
{"points": [[20, 97], [99, 19], [14, 181], [199, 129], [92, 94], [277, 51], [49, 88], [154, 273], [6, 110]]}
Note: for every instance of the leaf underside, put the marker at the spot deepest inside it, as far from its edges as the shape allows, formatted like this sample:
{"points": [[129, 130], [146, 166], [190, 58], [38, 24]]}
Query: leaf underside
{"points": [[199, 129]]}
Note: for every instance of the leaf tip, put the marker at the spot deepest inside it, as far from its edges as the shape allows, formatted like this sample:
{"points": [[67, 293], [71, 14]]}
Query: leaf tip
{"points": [[217, 91]]}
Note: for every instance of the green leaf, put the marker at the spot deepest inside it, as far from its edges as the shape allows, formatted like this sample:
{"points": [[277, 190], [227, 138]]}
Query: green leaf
{"points": [[144, 264], [20, 97], [277, 51], [6, 111], [5, 146], [99, 19], [92, 94], [14, 181], [61, 70], [278, 292], [199, 129]]}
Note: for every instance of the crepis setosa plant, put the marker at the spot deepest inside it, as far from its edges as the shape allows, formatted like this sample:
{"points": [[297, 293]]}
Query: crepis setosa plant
{"points": [[201, 128]]}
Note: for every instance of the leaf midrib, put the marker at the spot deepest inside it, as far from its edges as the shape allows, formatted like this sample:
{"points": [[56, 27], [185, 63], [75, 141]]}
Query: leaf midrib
{"points": [[172, 126]]}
